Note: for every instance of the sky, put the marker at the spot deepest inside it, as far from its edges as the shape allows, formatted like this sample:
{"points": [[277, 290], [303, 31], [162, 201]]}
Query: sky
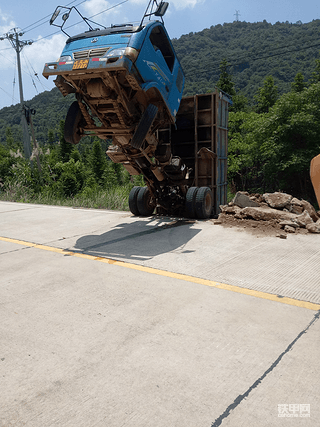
{"points": [[182, 17]]}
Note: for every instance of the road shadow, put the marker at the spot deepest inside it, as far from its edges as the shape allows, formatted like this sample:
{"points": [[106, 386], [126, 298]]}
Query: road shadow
{"points": [[140, 240]]}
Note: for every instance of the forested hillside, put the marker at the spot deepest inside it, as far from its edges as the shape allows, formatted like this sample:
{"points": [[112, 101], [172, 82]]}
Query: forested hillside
{"points": [[253, 50], [50, 107]]}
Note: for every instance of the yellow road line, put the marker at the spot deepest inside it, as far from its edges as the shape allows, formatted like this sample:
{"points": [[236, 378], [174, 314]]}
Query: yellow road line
{"points": [[186, 278]]}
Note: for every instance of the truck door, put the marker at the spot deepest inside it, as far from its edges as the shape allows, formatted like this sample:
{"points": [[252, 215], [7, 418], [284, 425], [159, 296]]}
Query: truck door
{"points": [[156, 60]]}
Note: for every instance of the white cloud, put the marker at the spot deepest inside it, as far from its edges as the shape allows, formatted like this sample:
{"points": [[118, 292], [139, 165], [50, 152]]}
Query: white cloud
{"points": [[94, 7], [44, 50], [178, 4], [6, 23], [182, 4]]}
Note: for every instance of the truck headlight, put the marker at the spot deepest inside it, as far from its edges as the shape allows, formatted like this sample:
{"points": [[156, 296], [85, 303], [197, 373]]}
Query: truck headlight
{"points": [[115, 54], [65, 58]]}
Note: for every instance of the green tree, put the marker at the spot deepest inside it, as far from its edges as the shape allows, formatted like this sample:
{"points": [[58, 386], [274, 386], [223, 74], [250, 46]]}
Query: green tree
{"points": [[110, 176], [65, 147], [9, 138], [71, 179], [243, 152], [239, 103], [298, 84], [97, 161], [225, 82], [50, 136], [267, 95], [273, 150], [315, 76], [6, 162]]}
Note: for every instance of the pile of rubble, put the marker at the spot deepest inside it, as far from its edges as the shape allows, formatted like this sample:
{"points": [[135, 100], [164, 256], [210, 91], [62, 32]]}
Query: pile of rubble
{"points": [[278, 211]]}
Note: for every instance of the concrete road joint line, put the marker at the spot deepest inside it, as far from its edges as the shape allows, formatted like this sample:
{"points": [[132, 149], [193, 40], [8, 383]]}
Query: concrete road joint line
{"points": [[243, 396], [18, 210], [186, 278]]}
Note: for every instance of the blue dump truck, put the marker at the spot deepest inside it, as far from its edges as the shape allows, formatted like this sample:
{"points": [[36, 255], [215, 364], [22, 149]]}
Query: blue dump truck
{"points": [[128, 85]]}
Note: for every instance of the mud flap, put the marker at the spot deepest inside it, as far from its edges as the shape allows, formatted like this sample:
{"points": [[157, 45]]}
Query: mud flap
{"points": [[144, 125]]}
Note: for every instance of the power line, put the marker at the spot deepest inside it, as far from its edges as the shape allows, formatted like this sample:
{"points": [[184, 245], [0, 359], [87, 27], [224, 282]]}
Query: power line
{"points": [[215, 65], [14, 63], [7, 93], [77, 23], [46, 17]]}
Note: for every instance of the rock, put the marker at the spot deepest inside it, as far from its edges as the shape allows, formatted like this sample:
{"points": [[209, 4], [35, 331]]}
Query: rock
{"points": [[310, 209], [257, 197], [266, 213], [304, 219], [223, 208], [289, 224], [296, 209], [281, 235], [217, 221], [313, 228], [238, 215], [243, 201], [318, 222], [277, 200], [289, 229], [295, 201], [230, 209]]}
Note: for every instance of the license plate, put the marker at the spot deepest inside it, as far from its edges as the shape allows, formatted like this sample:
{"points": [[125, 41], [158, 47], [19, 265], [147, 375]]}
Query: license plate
{"points": [[81, 64]]}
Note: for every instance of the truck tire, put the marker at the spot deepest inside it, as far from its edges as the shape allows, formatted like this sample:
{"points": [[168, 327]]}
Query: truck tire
{"points": [[145, 202], [144, 125], [203, 203], [71, 126], [133, 206], [191, 202]]}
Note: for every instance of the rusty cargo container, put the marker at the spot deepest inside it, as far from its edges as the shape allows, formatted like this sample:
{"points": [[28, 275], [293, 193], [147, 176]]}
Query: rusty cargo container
{"points": [[200, 139]]}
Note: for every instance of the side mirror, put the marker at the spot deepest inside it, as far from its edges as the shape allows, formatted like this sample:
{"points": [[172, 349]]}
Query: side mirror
{"points": [[65, 16], [54, 16], [162, 8]]}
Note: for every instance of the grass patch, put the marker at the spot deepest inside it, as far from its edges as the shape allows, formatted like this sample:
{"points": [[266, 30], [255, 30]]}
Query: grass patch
{"points": [[114, 198]]}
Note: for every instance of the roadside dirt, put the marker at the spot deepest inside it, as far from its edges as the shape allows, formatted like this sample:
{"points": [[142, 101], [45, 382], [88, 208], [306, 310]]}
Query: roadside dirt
{"points": [[257, 228], [271, 214]]}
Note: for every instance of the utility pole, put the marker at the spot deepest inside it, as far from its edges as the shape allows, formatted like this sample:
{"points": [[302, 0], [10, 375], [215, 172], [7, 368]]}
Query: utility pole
{"points": [[237, 15], [18, 45]]}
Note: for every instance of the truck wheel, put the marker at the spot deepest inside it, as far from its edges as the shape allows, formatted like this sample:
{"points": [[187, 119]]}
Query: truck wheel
{"points": [[145, 202], [203, 203], [71, 126], [144, 125], [191, 202], [133, 206]]}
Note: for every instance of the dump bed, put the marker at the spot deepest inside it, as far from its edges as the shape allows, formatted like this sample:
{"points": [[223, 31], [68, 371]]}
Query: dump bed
{"points": [[200, 138]]}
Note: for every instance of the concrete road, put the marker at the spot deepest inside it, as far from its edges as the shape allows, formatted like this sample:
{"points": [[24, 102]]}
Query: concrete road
{"points": [[111, 320]]}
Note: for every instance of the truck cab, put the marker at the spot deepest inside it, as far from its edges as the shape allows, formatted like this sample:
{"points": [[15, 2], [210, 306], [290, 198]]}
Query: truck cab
{"points": [[133, 64]]}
